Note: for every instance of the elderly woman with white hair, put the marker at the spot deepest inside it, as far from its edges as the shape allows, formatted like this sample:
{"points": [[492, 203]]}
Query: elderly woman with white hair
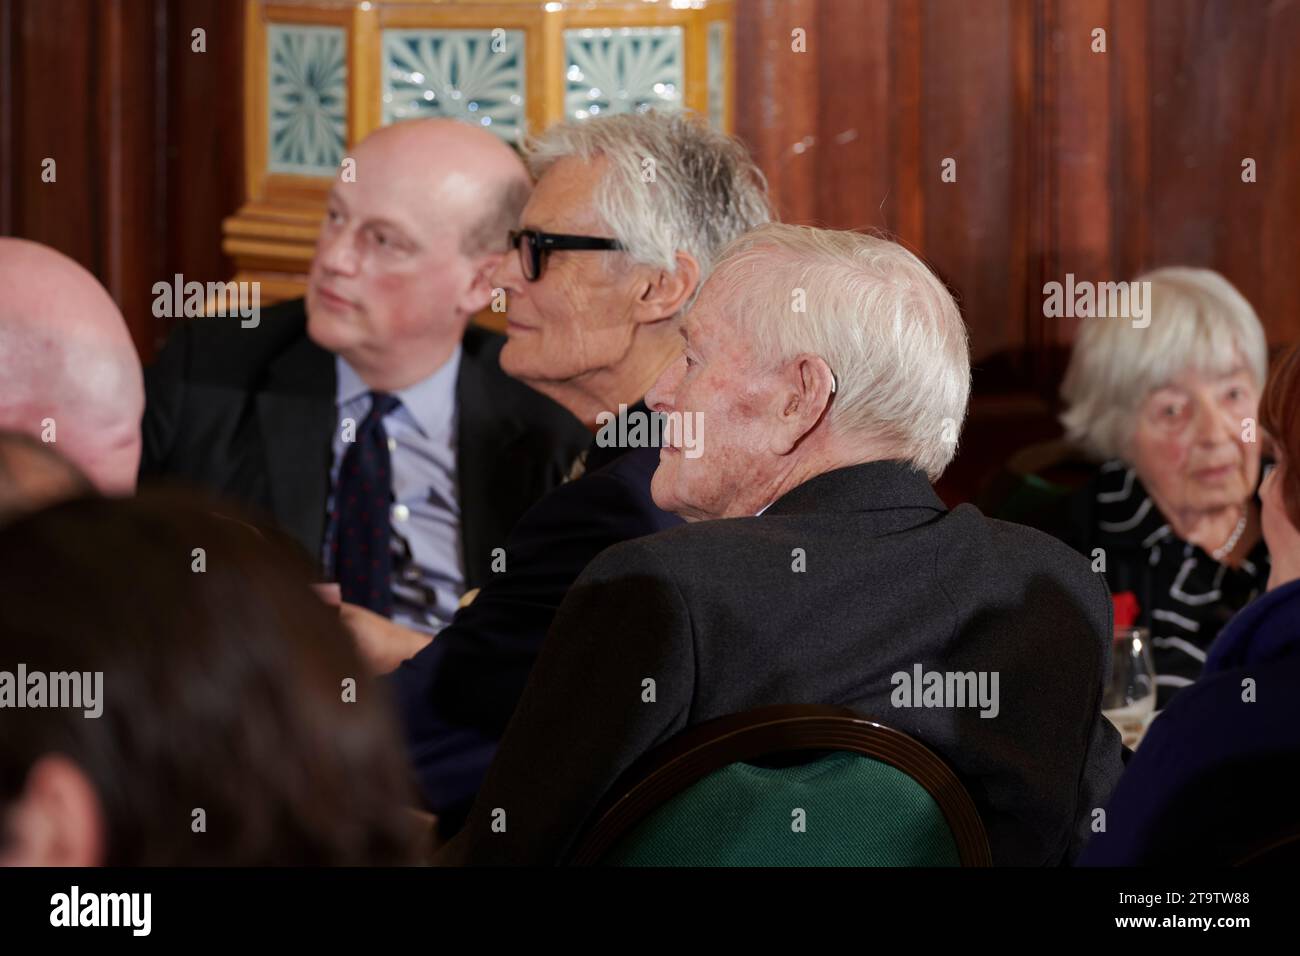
{"points": [[1172, 515], [1203, 790], [817, 566]]}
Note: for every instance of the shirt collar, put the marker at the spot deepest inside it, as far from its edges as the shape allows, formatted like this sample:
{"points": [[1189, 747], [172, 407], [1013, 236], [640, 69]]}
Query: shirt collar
{"points": [[350, 387], [430, 402]]}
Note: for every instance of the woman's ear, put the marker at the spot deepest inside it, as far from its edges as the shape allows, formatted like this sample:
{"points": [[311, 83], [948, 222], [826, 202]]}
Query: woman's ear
{"points": [[57, 820], [665, 293]]}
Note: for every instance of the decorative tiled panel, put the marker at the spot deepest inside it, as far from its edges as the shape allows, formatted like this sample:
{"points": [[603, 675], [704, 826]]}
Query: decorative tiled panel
{"points": [[474, 75], [306, 99], [717, 71], [620, 69]]}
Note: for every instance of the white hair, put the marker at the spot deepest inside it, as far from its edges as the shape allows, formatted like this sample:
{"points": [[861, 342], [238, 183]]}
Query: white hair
{"points": [[1198, 322], [672, 184], [884, 323]]}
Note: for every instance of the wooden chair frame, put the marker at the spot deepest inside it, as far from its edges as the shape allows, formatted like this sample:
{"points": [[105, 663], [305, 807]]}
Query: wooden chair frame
{"points": [[768, 731]]}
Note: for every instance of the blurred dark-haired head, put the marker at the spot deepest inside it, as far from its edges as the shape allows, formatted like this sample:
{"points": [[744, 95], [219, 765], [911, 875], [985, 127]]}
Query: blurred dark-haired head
{"points": [[236, 726]]}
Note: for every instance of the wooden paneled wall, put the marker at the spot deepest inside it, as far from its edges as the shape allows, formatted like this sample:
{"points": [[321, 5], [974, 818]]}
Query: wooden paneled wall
{"points": [[1100, 164], [1068, 160], [146, 135]]}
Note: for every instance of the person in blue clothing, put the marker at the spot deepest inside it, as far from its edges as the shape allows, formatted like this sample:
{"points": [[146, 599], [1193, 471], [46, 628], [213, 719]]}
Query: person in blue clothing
{"points": [[1215, 780]]}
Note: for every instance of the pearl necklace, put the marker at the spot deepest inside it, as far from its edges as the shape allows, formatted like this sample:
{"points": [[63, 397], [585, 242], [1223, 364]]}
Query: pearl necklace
{"points": [[1220, 553]]}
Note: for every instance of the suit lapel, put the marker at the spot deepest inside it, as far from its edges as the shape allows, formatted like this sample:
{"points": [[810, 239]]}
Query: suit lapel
{"points": [[297, 415]]}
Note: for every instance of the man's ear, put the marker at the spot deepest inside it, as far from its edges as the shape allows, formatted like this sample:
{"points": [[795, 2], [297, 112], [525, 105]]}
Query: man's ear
{"points": [[663, 293], [478, 294], [806, 386], [57, 820]]}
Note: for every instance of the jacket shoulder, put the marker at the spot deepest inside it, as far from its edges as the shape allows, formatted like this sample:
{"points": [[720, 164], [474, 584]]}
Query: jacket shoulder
{"points": [[678, 552], [615, 498], [1023, 564], [1036, 545], [1005, 548], [219, 350]]}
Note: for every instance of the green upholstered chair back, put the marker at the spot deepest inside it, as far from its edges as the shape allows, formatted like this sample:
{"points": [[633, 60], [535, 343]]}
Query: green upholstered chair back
{"points": [[842, 809], [845, 791]]}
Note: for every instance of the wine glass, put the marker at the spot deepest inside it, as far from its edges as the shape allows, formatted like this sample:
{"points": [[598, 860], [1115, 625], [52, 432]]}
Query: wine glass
{"points": [[1130, 699]]}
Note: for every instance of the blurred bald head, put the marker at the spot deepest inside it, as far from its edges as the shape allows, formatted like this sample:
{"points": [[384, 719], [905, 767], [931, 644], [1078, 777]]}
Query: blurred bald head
{"points": [[410, 239], [465, 179], [69, 370]]}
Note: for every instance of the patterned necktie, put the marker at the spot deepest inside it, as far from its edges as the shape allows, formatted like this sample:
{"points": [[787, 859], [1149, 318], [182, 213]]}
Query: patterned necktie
{"points": [[363, 563]]}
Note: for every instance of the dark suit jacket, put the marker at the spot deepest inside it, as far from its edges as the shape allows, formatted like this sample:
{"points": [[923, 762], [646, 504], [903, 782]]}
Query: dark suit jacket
{"points": [[250, 414], [713, 613], [456, 696]]}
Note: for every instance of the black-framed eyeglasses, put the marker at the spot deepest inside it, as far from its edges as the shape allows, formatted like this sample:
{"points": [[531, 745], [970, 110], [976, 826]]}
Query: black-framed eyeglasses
{"points": [[534, 245]]}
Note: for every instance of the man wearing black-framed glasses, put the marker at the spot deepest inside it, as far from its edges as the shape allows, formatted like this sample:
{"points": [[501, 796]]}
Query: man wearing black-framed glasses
{"points": [[599, 278]]}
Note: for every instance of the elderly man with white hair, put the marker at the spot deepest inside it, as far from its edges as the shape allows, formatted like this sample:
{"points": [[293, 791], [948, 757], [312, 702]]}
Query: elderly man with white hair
{"points": [[832, 373]]}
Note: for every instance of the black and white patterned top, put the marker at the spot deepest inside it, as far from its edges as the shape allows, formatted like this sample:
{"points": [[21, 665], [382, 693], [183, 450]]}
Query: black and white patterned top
{"points": [[1185, 596]]}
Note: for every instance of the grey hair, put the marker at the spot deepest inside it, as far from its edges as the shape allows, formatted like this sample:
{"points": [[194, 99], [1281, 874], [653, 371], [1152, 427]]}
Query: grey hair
{"points": [[875, 313], [1198, 322], [673, 184]]}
